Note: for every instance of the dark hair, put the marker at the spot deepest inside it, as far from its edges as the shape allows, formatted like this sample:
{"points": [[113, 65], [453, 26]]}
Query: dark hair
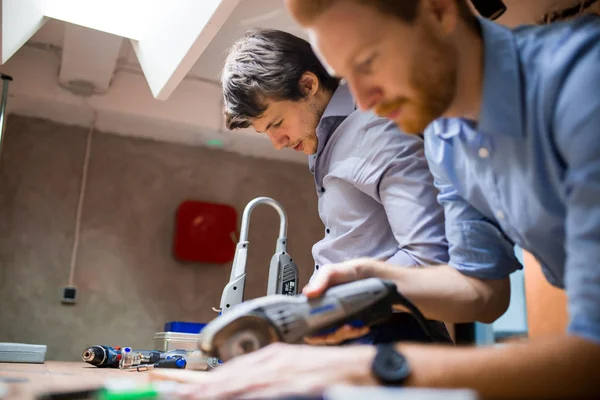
{"points": [[265, 64]]}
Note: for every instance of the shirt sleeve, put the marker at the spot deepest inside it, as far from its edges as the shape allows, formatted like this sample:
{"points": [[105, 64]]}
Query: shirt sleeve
{"points": [[395, 174], [577, 135], [477, 246]]}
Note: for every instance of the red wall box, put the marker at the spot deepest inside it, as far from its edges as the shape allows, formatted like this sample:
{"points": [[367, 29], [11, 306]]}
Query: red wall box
{"points": [[205, 232]]}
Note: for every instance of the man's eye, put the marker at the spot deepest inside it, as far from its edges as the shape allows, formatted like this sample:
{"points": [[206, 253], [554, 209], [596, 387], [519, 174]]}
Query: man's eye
{"points": [[365, 66], [277, 125]]}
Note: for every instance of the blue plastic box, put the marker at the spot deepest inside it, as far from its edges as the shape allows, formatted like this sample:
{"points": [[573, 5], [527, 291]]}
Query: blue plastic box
{"points": [[184, 327]]}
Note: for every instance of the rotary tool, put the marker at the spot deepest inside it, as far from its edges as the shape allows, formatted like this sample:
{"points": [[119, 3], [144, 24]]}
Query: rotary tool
{"points": [[279, 318]]}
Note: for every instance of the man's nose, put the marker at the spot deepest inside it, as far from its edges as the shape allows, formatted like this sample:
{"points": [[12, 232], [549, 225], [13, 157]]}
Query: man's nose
{"points": [[279, 141], [366, 96]]}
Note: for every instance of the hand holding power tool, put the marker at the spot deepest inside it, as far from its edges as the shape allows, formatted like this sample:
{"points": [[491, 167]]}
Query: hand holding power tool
{"points": [[279, 318]]}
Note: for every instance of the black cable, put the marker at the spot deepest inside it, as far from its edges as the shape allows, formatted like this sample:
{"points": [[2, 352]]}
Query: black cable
{"points": [[419, 317]]}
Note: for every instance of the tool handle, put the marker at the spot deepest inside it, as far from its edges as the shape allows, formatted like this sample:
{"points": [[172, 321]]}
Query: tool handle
{"points": [[173, 362], [361, 303], [248, 211]]}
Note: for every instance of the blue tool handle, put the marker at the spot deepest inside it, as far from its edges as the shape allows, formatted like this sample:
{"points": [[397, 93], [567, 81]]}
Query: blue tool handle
{"points": [[173, 362], [353, 323]]}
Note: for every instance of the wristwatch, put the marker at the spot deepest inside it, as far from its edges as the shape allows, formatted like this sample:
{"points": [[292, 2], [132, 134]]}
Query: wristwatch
{"points": [[389, 366]]}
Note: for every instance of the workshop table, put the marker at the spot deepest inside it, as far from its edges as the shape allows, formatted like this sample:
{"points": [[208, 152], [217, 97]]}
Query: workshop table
{"points": [[25, 381]]}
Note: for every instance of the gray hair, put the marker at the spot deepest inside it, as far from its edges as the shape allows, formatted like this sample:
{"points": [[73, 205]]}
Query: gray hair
{"points": [[266, 64]]}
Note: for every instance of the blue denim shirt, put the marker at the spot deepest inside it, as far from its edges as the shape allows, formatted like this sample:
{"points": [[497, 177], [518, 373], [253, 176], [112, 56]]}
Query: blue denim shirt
{"points": [[528, 171]]}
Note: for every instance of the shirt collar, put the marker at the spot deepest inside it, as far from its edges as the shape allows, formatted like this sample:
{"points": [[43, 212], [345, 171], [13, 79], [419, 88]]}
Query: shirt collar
{"points": [[501, 106], [447, 128], [341, 103], [339, 107]]}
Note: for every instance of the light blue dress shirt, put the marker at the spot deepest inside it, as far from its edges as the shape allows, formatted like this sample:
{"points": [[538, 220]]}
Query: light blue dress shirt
{"points": [[376, 194], [528, 172]]}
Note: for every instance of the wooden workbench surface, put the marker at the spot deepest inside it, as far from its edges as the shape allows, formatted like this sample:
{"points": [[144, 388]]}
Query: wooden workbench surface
{"points": [[25, 381]]}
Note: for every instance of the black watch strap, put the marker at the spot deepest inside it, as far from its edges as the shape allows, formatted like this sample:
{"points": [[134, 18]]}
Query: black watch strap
{"points": [[389, 366]]}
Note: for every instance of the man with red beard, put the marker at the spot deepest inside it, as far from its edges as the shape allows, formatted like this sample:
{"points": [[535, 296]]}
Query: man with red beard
{"points": [[512, 120]]}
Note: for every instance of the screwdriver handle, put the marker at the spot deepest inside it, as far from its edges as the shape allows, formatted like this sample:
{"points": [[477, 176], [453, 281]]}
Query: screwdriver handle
{"points": [[173, 362]]}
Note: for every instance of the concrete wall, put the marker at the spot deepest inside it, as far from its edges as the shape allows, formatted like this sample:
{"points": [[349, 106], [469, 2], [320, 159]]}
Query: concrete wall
{"points": [[129, 284]]}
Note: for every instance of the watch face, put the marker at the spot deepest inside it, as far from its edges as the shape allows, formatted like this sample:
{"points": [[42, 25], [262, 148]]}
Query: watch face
{"points": [[389, 366], [395, 362]]}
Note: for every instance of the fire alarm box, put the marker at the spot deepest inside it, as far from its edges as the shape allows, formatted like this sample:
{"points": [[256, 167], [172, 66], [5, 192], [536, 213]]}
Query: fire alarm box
{"points": [[205, 232]]}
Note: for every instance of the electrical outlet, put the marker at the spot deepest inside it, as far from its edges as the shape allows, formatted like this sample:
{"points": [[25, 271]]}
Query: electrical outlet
{"points": [[69, 294]]}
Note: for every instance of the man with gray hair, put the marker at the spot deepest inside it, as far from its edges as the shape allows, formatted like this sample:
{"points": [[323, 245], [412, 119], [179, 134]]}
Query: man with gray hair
{"points": [[376, 194]]}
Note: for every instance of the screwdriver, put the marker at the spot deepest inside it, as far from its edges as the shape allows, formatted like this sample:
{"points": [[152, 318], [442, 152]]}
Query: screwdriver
{"points": [[172, 362]]}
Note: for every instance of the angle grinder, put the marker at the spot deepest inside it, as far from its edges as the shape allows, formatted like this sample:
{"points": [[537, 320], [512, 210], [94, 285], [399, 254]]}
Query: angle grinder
{"points": [[257, 323]]}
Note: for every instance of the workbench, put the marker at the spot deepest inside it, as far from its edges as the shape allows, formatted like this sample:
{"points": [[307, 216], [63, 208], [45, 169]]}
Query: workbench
{"points": [[25, 381]]}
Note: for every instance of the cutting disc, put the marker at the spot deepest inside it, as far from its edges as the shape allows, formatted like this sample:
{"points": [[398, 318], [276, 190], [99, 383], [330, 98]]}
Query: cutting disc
{"points": [[245, 335]]}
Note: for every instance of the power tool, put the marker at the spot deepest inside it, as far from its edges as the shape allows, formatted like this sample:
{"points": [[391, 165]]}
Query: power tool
{"points": [[283, 272], [103, 356], [278, 318]]}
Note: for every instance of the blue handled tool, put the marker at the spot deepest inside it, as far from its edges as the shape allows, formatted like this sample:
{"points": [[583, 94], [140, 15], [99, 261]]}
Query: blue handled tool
{"points": [[103, 356], [177, 362]]}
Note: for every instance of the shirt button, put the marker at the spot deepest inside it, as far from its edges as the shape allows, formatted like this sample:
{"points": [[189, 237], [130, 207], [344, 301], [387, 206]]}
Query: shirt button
{"points": [[317, 267], [483, 152], [499, 215], [327, 230], [322, 190]]}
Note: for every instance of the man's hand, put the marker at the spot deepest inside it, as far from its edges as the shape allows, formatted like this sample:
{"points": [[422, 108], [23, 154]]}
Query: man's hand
{"points": [[346, 332], [336, 274], [553, 367], [441, 292], [279, 370]]}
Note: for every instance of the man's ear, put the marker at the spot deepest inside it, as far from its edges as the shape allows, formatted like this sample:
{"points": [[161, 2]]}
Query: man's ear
{"points": [[309, 83]]}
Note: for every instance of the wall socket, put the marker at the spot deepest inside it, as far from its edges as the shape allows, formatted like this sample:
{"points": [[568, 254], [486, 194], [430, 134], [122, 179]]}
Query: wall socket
{"points": [[69, 294]]}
